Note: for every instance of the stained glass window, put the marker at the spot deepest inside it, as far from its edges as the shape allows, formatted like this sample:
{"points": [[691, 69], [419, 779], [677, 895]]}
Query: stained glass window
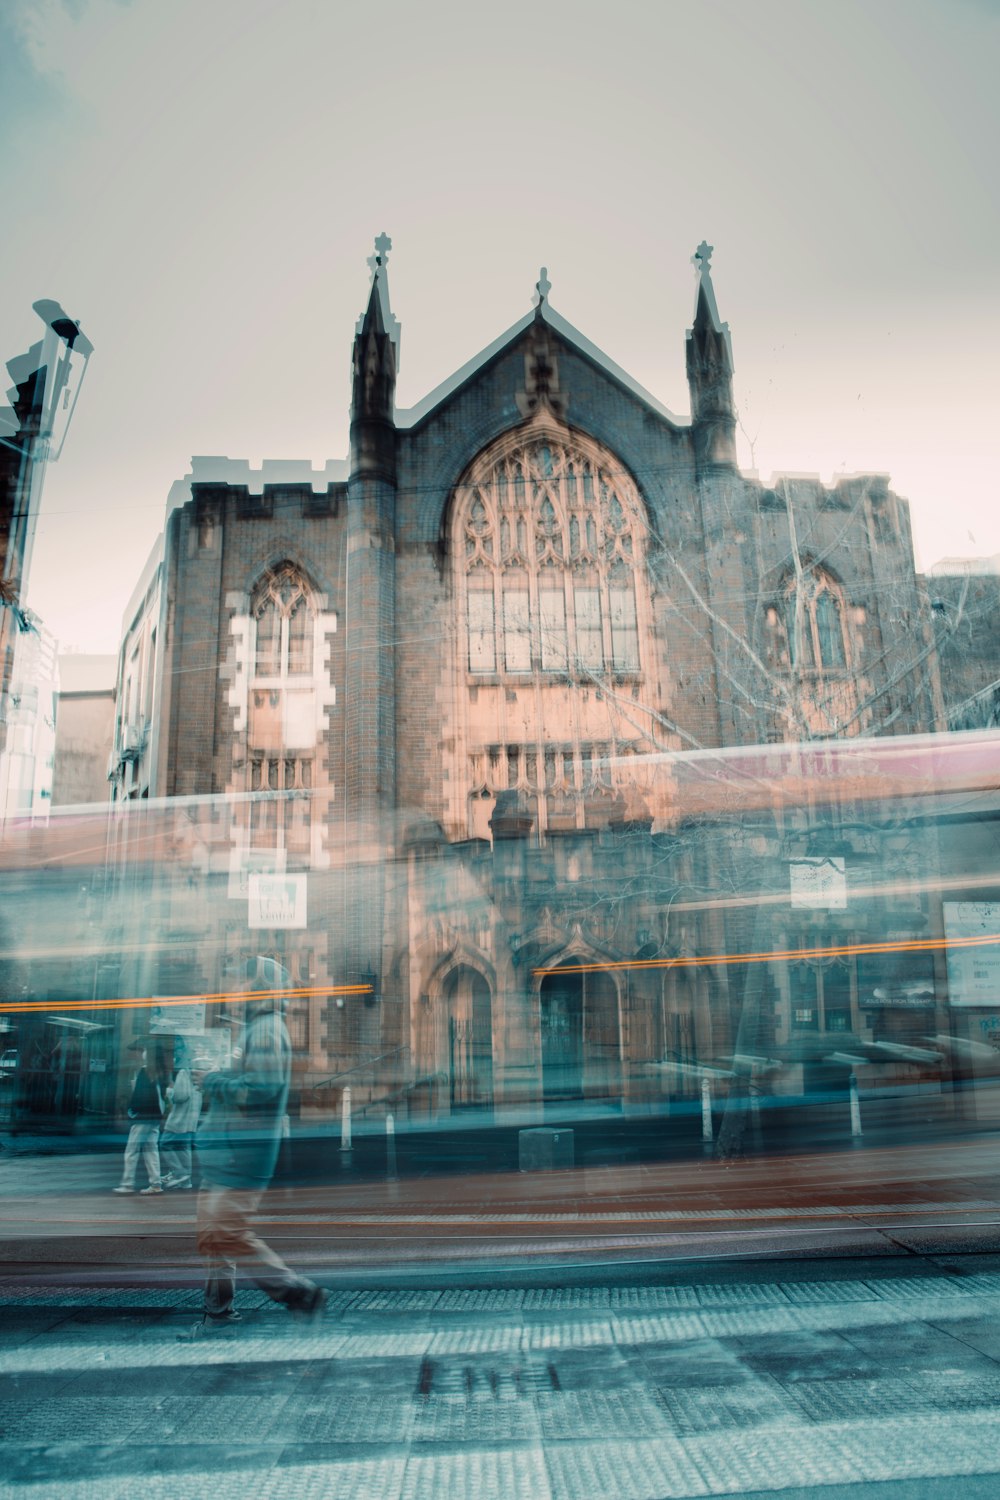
{"points": [[548, 541]]}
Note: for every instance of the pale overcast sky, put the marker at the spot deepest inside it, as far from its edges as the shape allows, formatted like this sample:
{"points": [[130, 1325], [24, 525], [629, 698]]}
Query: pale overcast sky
{"points": [[199, 182]]}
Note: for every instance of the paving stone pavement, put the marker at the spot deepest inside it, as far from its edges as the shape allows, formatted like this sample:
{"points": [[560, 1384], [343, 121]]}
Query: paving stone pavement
{"points": [[887, 1386]]}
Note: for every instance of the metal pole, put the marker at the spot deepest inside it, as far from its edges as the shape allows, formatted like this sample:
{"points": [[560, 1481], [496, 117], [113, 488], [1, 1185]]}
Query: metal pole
{"points": [[754, 1087], [706, 1111], [390, 1147], [855, 1107], [345, 1120]]}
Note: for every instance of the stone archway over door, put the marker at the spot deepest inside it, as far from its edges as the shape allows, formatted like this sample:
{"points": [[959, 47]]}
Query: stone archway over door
{"points": [[581, 1038], [470, 1038]]}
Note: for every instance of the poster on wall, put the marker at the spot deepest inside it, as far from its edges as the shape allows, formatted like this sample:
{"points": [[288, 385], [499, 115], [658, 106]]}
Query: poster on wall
{"points": [[246, 862], [277, 901], [819, 882], [168, 1017], [896, 981], [972, 932]]}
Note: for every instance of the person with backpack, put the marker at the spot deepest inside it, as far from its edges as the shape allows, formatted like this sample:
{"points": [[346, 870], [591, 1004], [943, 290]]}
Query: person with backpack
{"points": [[145, 1111]]}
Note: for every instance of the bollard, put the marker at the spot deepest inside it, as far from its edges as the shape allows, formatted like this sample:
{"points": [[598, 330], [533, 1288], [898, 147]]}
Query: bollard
{"points": [[706, 1111], [390, 1148], [345, 1121], [758, 1134], [855, 1107]]}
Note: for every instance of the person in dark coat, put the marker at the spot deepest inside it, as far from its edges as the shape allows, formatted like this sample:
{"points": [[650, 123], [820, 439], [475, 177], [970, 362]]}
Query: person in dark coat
{"points": [[145, 1110], [238, 1140]]}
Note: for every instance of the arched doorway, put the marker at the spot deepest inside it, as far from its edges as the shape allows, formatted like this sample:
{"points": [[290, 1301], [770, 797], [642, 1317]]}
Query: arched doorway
{"points": [[581, 1040], [684, 1018], [469, 1010]]}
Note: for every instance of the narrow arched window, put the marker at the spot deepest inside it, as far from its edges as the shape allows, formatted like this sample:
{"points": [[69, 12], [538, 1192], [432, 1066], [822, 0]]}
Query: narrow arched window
{"points": [[798, 631], [284, 622], [517, 622], [281, 712], [624, 629], [482, 632], [807, 625], [829, 630], [268, 656]]}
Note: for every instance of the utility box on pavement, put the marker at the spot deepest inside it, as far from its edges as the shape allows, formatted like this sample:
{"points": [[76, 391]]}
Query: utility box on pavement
{"points": [[542, 1148]]}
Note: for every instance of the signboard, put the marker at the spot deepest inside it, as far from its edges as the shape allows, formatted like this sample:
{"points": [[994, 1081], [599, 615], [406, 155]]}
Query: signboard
{"points": [[277, 901], [896, 981], [819, 882], [170, 1017], [246, 862], [973, 967], [989, 1029]]}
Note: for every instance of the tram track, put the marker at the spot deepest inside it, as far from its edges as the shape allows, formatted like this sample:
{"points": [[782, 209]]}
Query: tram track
{"points": [[346, 1245]]}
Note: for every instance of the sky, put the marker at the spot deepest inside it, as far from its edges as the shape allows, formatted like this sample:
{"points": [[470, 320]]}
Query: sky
{"points": [[200, 183]]}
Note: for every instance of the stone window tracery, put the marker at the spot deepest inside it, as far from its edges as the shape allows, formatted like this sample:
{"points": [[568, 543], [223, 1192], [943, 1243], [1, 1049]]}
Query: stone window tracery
{"points": [[281, 734], [548, 540], [568, 768], [808, 624], [282, 821], [283, 621]]}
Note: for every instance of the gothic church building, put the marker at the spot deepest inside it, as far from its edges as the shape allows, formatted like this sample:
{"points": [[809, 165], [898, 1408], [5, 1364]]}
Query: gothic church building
{"points": [[442, 680]]}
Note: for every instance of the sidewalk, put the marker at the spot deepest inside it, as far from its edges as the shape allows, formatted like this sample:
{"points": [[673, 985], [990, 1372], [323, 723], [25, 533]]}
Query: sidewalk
{"points": [[863, 1380]]}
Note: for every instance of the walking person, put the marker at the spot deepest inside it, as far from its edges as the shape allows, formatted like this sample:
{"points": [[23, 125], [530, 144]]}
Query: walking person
{"points": [[177, 1139], [145, 1111], [238, 1141]]}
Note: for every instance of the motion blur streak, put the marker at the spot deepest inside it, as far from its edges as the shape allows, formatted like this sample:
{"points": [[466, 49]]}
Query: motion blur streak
{"points": [[840, 950]]}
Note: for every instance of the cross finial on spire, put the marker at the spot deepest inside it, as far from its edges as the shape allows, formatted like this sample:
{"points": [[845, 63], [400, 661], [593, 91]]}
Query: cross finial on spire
{"points": [[383, 244], [702, 257], [542, 287], [378, 295]]}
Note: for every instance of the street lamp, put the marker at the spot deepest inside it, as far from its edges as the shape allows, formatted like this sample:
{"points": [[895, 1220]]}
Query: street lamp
{"points": [[47, 380]]}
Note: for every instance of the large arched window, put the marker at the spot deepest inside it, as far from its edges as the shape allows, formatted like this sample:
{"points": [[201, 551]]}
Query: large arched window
{"points": [[547, 537]]}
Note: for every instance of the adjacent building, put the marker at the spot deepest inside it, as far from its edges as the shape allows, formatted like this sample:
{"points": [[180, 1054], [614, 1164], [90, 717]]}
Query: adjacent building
{"points": [[85, 716], [27, 756], [965, 599]]}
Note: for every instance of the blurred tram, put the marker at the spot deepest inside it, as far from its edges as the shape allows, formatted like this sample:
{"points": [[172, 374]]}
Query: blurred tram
{"points": [[782, 943]]}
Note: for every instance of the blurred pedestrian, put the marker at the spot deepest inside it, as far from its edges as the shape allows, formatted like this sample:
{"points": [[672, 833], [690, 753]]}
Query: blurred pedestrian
{"points": [[145, 1111], [177, 1139], [238, 1141]]}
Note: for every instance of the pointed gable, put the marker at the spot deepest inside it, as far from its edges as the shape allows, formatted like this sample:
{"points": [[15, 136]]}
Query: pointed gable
{"points": [[565, 331]]}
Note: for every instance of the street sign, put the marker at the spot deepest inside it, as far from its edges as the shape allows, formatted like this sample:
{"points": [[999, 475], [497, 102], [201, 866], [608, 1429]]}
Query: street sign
{"points": [[973, 968]]}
